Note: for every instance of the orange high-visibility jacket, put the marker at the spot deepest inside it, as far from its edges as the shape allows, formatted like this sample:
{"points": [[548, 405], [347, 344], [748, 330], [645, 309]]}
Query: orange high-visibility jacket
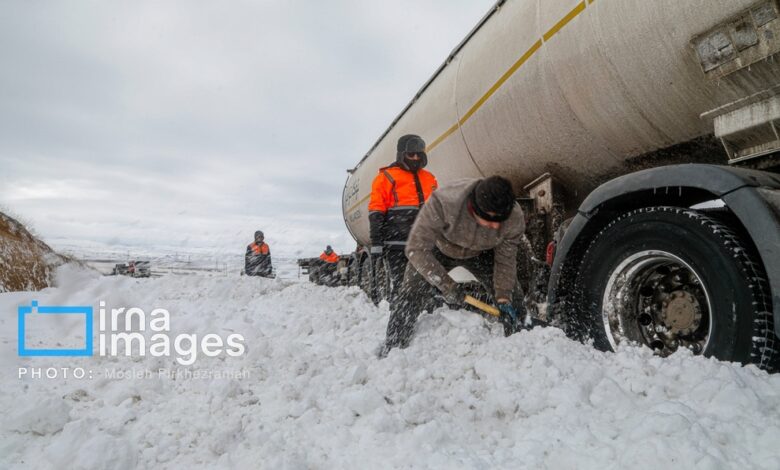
{"points": [[330, 258], [261, 249], [396, 197]]}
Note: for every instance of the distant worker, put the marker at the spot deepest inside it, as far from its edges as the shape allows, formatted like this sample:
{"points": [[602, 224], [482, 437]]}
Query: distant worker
{"points": [[329, 262], [397, 194], [257, 261], [471, 223], [329, 256]]}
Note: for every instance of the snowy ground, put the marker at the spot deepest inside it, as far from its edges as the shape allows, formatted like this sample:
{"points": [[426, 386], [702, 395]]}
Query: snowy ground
{"points": [[309, 393]]}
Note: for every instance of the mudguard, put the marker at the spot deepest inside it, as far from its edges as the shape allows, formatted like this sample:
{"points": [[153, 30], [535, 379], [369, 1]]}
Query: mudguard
{"points": [[752, 196]]}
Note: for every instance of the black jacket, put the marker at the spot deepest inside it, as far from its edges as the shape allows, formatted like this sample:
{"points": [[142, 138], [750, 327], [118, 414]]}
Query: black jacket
{"points": [[257, 261]]}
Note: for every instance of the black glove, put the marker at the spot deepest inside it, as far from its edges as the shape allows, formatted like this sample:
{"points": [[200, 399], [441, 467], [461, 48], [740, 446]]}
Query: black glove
{"points": [[454, 296], [508, 318]]}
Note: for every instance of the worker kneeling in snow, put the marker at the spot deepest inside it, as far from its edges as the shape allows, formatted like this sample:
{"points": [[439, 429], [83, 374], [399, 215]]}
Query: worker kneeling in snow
{"points": [[257, 261], [471, 223], [329, 256], [329, 262]]}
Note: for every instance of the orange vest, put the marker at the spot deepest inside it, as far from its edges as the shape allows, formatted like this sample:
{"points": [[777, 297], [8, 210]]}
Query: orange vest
{"points": [[259, 249], [395, 187], [332, 258]]}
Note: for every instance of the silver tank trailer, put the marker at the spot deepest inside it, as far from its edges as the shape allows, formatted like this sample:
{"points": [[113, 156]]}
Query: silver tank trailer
{"points": [[569, 99], [579, 89]]}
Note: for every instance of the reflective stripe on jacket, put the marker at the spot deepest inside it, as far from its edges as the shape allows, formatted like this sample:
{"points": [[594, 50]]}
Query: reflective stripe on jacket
{"points": [[396, 197]]}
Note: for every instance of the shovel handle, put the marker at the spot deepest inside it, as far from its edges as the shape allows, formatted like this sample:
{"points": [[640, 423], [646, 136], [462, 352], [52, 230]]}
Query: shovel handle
{"points": [[482, 306]]}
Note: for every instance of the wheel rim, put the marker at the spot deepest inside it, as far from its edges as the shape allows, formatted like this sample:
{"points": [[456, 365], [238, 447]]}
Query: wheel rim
{"points": [[655, 298]]}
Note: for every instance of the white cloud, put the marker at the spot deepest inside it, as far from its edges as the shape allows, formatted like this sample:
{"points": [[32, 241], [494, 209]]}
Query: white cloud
{"points": [[194, 123]]}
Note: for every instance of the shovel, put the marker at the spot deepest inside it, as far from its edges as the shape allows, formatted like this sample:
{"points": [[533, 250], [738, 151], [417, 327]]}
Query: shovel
{"points": [[487, 308], [509, 326]]}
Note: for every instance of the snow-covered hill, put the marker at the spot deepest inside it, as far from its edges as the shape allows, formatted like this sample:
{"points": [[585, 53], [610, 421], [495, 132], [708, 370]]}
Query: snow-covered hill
{"points": [[309, 392], [25, 261]]}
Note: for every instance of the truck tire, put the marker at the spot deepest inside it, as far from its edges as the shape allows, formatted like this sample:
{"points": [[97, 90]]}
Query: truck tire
{"points": [[382, 287], [382, 282], [365, 276], [670, 277]]}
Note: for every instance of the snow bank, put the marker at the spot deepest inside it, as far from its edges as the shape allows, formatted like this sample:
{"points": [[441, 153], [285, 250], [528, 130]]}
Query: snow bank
{"points": [[39, 415], [314, 396]]}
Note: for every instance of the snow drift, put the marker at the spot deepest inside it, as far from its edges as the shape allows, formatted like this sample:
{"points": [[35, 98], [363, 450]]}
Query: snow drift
{"points": [[309, 392]]}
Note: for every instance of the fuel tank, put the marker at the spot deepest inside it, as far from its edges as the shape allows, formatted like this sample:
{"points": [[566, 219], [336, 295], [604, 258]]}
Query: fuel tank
{"points": [[585, 90]]}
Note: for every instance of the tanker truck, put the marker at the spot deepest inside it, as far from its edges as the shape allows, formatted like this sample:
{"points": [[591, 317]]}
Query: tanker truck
{"points": [[642, 140]]}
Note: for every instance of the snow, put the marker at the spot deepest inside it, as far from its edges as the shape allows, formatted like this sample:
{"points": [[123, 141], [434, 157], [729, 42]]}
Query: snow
{"points": [[313, 395]]}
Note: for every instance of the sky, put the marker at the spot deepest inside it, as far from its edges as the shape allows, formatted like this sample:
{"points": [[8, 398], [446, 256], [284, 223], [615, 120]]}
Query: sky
{"points": [[158, 127]]}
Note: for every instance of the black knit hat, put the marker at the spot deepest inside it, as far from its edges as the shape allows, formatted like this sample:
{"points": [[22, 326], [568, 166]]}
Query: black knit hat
{"points": [[411, 143], [259, 234], [493, 194]]}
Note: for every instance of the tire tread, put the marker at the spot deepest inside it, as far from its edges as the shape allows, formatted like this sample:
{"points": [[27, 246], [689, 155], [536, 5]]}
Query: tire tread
{"points": [[764, 350]]}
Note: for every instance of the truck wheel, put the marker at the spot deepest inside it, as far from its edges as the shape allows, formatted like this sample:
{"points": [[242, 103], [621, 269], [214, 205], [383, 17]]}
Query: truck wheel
{"points": [[669, 277], [382, 281], [365, 282], [365, 276]]}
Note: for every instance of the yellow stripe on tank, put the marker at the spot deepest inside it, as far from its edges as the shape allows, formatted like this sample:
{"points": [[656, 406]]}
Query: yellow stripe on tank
{"points": [[500, 82], [511, 71], [564, 21], [355, 205]]}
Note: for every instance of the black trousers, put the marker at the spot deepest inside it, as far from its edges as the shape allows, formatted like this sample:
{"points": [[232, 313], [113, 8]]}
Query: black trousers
{"points": [[258, 265], [417, 295]]}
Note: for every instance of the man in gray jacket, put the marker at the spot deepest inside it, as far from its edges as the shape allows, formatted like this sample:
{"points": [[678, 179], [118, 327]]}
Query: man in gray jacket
{"points": [[471, 223]]}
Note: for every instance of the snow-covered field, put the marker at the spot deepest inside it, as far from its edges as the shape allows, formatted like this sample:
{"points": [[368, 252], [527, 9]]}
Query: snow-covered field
{"points": [[309, 392]]}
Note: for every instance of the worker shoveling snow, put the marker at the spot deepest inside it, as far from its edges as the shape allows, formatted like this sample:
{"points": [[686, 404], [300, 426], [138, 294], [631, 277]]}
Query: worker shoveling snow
{"points": [[305, 390]]}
